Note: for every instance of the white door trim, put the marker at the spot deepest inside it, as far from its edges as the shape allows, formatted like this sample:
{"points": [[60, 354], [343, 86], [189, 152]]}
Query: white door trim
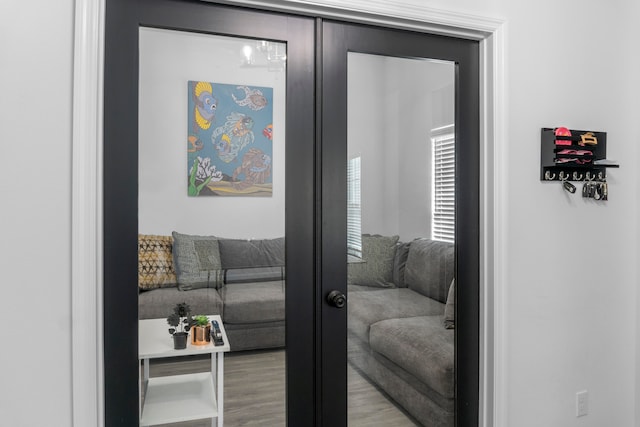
{"points": [[87, 335], [86, 216]]}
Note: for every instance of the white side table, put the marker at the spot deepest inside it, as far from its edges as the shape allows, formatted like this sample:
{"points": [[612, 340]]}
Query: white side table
{"points": [[179, 397]]}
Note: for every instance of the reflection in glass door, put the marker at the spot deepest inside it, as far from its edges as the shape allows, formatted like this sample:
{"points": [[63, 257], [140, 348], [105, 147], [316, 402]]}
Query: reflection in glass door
{"points": [[400, 230], [400, 220], [315, 199], [194, 175], [211, 212]]}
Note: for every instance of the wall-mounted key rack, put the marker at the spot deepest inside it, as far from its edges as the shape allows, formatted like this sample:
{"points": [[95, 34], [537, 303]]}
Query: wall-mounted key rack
{"points": [[573, 155]]}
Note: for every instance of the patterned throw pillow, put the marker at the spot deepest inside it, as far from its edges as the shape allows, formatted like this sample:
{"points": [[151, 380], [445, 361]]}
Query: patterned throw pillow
{"points": [[155, 262]]}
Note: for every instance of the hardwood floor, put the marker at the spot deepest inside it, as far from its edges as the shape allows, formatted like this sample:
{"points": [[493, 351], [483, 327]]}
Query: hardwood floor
{"points": [[369, 407], [254, 392]]}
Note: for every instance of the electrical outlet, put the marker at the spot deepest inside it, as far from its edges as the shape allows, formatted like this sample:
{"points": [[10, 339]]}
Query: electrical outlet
{"points": [[582, 403]]}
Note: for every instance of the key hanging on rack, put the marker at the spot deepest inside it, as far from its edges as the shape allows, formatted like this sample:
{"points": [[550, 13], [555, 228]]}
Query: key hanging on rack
{"points": [[597, 190], [568, 186]]}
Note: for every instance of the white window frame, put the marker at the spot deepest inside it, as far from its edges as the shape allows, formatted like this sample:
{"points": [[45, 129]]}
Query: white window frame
{"points": [[354, 207], [443, 215]]}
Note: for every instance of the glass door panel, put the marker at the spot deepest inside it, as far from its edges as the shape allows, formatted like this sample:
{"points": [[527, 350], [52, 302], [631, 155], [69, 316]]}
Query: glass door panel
{"points": [[207, 201], [400, 240], [400, 211], [211, 212]]}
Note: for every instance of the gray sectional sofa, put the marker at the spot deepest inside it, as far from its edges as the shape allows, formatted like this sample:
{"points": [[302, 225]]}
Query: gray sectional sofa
{"points": [[241, 280], [399, 335], [400, 306]]}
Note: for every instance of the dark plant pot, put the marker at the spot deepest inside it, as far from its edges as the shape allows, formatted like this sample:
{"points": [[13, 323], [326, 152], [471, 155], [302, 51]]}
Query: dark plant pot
{"points": [[180, 340]]}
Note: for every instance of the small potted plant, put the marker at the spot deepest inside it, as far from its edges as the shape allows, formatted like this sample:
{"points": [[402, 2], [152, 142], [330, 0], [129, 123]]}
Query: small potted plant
{"points": [[180, 324], [200, 330]]}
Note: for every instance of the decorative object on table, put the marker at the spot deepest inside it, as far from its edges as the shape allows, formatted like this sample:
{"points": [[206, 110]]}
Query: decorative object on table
{"points": [[229, 140], [576, 155], [217, 334], [200, 330], [180, 324]]}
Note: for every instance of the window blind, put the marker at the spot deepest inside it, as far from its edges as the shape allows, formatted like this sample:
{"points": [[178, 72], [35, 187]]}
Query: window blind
{"points": [[444, 184], [354, 209]]}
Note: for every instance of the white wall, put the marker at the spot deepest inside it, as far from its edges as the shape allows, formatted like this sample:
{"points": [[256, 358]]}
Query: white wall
{"points": [[572, 275], [36, 40], [571, 293], [368, 114], [394, 103], [424, 103], [168, 59]]}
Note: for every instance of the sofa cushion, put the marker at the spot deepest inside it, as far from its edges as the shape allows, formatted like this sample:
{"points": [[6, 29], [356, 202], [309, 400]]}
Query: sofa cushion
{"points": [[155, 262], [377, 268], [359, 288], [238, 253], [450, 307], [429, 269], [197, 261], [253, 302], [255, 336], [159, 303], [367, 308], [420, 346]]}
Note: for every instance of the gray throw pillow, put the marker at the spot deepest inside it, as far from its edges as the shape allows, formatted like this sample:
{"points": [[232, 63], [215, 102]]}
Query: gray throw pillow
{"points": [[238, 253], [377, 267], [450, 308], [196, 261], [400, 264], [430, 267]]}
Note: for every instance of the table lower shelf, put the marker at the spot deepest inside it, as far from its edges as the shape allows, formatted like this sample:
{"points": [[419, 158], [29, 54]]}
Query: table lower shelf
{"points": [[179, 398]]}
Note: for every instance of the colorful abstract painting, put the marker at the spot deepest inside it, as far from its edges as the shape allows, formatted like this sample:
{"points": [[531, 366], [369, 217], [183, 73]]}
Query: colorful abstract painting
{"points": [[229, 140]]}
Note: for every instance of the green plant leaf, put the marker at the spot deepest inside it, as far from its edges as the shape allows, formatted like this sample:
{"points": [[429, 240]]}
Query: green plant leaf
{"points": [[193, 189], [201, 320]]}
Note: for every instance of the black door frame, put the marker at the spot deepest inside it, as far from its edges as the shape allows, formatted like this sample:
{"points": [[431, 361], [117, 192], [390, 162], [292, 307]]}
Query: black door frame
{"points": [[339, 38], [304, 381], [123, 20]]}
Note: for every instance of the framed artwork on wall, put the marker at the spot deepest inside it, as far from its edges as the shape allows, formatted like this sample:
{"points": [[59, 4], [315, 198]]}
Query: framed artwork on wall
{"points": [[229, 140]]}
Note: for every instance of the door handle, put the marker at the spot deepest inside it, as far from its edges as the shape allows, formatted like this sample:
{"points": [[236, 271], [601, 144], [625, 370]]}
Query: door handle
{"points": [[337, 299]]}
